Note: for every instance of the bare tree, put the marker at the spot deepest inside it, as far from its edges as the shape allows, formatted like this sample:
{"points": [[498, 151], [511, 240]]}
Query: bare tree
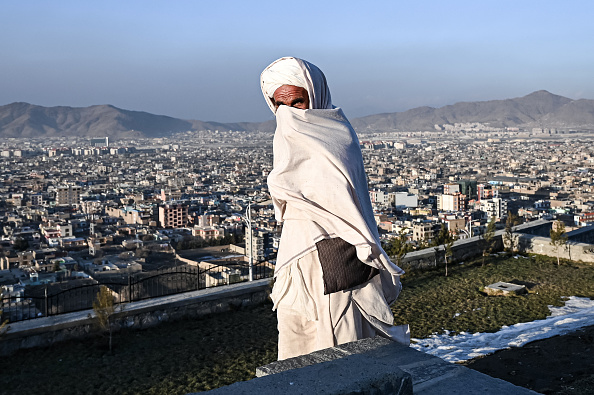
{"points": [[488, 239], [448, 253], [104, 310], [510, 222], [558, 238], [445, 238], [3, 326]]}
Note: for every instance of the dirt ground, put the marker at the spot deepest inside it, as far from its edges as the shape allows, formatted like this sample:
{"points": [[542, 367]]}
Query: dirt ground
{"points": [[558, 365]]}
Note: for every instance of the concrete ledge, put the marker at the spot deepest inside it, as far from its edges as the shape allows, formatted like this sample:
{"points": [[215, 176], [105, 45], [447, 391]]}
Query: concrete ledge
{"points": [[328, 354], [142, 314], [370, 366], [348, 369]]}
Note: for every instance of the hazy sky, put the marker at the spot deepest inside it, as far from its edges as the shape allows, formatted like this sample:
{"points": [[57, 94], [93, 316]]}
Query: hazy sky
{"points": [[202, 59]]}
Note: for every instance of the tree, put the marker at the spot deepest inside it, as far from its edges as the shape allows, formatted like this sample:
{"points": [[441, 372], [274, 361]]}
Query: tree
{"points": [[448, 253], [20, 244], [558, 238], [422, 244], [510, 222], [443, 237], [3, 326], [399, 247], [488, 239], [104, 309]]}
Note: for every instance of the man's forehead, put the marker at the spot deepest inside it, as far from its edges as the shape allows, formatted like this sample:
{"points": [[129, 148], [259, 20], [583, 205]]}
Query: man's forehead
{"points": [[289, 89]]}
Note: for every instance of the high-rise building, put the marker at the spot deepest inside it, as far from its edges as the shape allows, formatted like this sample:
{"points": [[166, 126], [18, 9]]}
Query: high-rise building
{"points": [[68, 195], [480, 191], [495, 207], [173, 215], [454, 202], [468, 188], [257, 242]]}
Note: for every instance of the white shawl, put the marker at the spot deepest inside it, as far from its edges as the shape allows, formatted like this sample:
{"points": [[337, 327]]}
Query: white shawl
{"points": [[318, 176]]}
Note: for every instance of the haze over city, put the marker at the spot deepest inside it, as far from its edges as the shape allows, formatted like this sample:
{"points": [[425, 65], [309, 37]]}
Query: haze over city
{"points": [[140, 168], [202, 60]]}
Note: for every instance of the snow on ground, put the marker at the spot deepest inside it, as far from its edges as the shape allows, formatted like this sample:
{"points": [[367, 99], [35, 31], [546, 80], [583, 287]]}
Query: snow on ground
{"points": [[577, 313]]}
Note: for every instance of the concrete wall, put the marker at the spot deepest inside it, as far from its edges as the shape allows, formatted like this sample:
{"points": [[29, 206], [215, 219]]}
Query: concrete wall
{"points": [[49, 330], [582, 235], [541, 245], [532, 236], [462, 250], [541, 227]]}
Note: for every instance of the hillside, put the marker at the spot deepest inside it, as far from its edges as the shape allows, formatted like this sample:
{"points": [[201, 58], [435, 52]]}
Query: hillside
{"points": [[538, 109], [27, 120]]}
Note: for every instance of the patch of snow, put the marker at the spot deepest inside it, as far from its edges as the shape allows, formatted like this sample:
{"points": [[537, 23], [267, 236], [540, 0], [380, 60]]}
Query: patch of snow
{"points": [[577, 313]]}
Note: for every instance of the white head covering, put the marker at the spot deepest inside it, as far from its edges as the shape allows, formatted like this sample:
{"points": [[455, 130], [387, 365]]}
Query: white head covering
{"points": [[297, 72]]}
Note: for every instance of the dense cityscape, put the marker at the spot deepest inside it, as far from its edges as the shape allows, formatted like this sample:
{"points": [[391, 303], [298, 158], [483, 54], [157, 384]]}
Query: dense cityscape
{"points": [[74, 209], [421, 220]]}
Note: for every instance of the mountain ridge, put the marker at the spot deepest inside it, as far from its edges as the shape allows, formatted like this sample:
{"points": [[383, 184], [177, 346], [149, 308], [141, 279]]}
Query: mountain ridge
{"points": [[537, 109]]}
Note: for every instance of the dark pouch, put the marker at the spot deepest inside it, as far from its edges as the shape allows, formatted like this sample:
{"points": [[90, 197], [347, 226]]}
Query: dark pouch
{"points": [[341, 269]]}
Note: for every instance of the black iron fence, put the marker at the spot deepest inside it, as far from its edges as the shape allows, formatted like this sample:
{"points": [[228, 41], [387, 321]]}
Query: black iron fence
{"points": [[77, 295]]}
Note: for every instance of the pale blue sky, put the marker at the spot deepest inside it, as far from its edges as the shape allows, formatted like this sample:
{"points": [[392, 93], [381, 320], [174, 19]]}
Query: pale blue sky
{"points": [[202, 59]]}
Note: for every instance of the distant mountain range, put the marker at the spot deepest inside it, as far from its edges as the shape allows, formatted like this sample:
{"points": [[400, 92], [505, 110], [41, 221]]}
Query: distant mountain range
{"points": [[538, 109], [29, 120]]}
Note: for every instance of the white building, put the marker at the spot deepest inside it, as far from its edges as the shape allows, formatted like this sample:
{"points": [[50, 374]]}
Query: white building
{"points": [[254, 244], [379, 198], [403, 199], [495, 207]]}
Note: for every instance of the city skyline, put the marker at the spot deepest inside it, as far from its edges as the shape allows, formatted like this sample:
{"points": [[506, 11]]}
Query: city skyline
{"points": [[202, 61]]}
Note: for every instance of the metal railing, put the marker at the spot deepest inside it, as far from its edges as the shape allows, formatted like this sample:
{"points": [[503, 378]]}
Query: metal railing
{"points": [[77, 295]]}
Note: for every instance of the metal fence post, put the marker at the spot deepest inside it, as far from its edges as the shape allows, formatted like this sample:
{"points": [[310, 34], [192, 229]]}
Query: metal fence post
{"points": [[46, 304], [129, 288]]}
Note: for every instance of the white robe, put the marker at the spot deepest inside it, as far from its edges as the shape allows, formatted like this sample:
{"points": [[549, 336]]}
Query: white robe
{"points": [[319, 190]]}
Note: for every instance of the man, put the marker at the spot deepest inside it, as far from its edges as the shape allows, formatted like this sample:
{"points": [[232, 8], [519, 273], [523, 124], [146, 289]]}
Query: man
{"points": [[334, 282]]}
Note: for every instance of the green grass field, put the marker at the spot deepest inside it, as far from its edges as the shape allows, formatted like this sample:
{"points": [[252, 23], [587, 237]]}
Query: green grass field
{"points": [[201, 354], [432, 303]]}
